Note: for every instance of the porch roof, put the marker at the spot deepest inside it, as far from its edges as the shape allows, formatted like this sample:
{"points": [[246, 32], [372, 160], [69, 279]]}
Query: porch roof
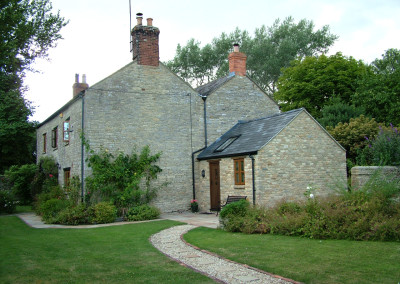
{"points": [[248, 137]]}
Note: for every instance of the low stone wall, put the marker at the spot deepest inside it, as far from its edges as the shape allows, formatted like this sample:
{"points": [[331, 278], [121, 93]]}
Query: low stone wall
{"points": [[361, 175]]}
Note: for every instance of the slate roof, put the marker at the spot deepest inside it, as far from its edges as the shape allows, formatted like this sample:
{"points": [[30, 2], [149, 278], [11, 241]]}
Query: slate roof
{"points": [[208, 88], [251, 135]]}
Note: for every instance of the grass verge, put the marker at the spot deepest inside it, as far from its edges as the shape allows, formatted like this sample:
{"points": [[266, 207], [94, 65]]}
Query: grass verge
{"points": [[116, 254], [306, 260]]}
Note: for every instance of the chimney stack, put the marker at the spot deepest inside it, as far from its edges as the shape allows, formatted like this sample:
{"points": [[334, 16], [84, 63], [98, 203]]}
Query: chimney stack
{"points": [[145, 42], [79, 87], [237, 61]]}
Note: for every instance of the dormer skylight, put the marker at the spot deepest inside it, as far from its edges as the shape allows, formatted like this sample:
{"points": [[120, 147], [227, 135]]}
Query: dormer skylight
{"points": [[226, 144]]}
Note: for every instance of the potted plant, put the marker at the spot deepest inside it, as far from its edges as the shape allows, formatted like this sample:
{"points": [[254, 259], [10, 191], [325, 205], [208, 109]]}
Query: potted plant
{"points": [[194, 206]]}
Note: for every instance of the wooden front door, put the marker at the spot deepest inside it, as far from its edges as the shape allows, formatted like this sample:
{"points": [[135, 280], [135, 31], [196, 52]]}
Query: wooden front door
{"points": [[215, 197]]}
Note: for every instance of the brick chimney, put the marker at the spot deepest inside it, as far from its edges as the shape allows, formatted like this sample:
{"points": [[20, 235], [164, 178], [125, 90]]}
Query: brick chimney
{"points": [[79, 87], [145, 42], [237, 61]]}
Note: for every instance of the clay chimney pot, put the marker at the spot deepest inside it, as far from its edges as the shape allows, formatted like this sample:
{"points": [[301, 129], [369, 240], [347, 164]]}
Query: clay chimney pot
{"points": [[139, 17], [149, 22]]}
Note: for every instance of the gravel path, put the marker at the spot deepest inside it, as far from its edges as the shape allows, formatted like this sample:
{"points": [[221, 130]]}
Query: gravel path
{"points": [[170, 243]]}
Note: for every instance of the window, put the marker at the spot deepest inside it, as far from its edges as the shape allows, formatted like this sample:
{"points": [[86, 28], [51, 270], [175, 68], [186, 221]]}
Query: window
{"points": [[226, 144], [54, 137], [67, 177], [239, 171], [66, 130], [44, 143]]}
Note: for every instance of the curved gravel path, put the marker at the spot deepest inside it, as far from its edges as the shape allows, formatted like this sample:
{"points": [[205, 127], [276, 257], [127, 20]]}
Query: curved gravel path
{"points": [[170, 243]]}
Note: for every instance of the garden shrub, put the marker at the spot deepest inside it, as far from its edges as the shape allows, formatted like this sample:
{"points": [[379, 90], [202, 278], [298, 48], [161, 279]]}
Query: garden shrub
{"points": [[20, 179], [371, 213], [102, 212], [53, 192], [142, 212], [238, 208], [7, 202], [231, 216], [382, 150], [49, 209], [74, 215]]}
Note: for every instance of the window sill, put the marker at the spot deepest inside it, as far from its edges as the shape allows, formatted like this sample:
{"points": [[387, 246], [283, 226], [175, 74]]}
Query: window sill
{"points": [[239, 187]]}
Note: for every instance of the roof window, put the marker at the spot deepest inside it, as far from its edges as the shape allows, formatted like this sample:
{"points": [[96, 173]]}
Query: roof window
{"points": [[226, 144]]}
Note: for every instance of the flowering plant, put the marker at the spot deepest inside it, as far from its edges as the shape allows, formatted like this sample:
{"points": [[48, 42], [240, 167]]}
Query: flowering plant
{"points": [[309, 193], [194, 206]]}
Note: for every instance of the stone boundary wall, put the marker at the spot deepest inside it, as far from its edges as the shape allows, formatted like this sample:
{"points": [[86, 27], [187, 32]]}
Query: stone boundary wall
{"points": [[361, 175]]}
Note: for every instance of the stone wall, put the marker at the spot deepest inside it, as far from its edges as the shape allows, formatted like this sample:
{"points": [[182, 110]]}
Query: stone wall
{"points": [[144, 105], [238, 99], [67, 154], [301, 155], [361, 175]]}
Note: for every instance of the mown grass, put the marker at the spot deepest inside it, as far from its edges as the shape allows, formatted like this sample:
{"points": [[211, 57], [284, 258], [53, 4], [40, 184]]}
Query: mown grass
{"points": [[117, 254], [306, 260]]}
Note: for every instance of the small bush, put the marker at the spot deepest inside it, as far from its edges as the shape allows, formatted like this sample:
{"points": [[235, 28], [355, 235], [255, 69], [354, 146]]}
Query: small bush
{"points": [[8, 203], [289, 208], [238, 208], [103, 212], [73, 215], [142, 212], [50, 209], [20, 179], [54, 192], [231, 216]]}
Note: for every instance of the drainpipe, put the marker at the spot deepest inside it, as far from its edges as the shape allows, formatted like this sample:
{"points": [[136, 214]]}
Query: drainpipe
{"points": [[253, 177], [205, 144], [205, 120], [82, 94]]}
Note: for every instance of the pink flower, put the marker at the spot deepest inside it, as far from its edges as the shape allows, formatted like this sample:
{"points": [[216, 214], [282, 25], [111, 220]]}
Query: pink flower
{"points": [[193, 201], [50, 175]]}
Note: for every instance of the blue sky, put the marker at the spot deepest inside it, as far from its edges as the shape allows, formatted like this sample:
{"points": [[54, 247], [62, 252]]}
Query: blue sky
{"points": [[96, 41]]}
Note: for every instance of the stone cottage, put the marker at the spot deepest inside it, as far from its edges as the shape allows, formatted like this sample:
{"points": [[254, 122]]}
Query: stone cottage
{"points": [[144, 103]]}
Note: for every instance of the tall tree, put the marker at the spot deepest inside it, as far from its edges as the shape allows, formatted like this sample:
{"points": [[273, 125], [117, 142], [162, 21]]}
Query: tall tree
{"points": [[28, 29], [379, 91], [313, 81], [269, 50]]}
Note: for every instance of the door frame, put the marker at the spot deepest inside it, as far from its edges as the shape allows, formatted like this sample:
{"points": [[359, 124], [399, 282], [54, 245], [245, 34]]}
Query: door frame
{"points": [[215, 185]]}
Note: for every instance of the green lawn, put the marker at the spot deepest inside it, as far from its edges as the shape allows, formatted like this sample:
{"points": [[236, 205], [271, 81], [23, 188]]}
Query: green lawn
{"points": [[306, 260], [117, 254], [123, 254]]}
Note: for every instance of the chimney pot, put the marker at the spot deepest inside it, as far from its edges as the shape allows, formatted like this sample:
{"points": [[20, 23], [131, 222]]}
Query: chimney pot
{"points": [[236, 47], [76, 78], [139, 17], [149, 22], [84, 78]]}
